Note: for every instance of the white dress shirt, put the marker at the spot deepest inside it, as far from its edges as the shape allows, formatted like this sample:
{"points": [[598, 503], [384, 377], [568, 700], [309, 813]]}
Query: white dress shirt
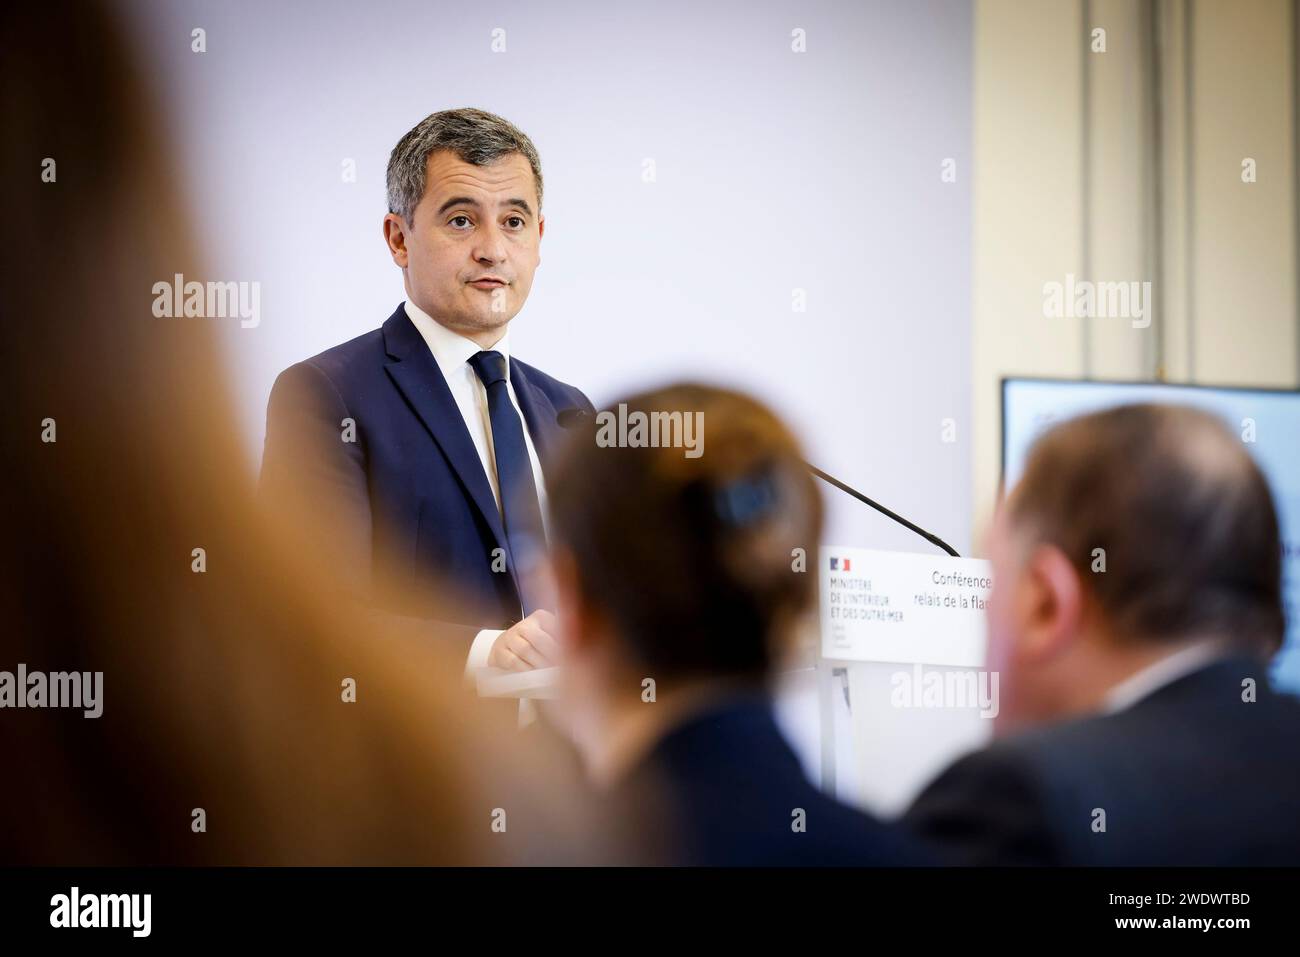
{"points": [[452, 352], [1158, 674]]}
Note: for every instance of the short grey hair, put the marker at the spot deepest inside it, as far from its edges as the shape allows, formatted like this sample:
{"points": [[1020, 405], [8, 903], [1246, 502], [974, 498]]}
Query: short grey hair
{"points": [[475, 136]]}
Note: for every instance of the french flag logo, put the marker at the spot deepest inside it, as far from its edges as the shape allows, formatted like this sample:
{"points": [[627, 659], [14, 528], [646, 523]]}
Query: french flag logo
{"points": [[841, 565]]}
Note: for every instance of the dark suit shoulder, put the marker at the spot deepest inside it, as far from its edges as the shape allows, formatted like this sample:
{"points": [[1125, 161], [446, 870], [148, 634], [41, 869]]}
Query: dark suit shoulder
{"points": [[338, 378], [561, 394], [987, 808], [1204, 715], [733, 793], [342, 362], [1197, 772]]}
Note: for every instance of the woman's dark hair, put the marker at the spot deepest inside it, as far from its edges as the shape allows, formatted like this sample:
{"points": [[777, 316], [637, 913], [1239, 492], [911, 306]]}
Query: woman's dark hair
{"points": [[700, 560]]}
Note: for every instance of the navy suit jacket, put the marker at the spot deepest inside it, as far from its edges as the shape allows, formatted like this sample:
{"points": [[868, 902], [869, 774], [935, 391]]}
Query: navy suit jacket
{"points": [[406, 511], [723, 789], [1190, 775]]}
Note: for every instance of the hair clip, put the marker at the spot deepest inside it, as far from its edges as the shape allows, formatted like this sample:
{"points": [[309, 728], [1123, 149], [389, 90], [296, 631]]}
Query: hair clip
{"points": [[747, 500]]}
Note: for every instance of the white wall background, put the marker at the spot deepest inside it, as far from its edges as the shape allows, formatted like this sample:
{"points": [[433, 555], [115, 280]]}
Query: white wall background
{"points": [[776, 171]]}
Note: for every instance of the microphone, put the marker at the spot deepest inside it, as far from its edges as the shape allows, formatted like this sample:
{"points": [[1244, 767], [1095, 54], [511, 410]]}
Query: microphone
{"points": [[577, 418]]}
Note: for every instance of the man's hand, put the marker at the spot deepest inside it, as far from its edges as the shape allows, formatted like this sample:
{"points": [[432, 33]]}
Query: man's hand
{"points": [[527, 644]]}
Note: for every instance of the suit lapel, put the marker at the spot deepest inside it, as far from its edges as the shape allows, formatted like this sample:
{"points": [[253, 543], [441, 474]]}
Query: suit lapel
{"points": [[539, 414], [417, 376]]}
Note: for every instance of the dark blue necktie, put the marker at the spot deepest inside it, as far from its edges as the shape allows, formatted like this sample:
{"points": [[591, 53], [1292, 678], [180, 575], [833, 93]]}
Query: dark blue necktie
{"points": [[521, 511]]}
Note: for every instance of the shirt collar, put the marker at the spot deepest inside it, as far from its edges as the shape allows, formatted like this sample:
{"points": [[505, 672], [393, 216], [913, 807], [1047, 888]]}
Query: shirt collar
{"points": [[450, 349], [1157, 675]]}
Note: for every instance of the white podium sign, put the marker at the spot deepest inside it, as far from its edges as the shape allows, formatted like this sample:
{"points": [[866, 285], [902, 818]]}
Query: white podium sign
{"points": [[903, 607]]}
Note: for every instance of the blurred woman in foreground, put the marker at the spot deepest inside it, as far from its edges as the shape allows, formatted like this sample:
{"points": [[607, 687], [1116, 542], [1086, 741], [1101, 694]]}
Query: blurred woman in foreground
{"points": [[226, 734], [682, 581]]}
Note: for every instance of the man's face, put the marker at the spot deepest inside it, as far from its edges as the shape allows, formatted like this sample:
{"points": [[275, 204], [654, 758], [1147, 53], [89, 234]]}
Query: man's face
{"points": [[1034, 623], [470, 254], [1008, 620], [1002, 618]]}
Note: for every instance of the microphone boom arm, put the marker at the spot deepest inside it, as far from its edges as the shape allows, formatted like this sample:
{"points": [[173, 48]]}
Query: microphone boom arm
{"points": [[888, 513], [574, 418]]}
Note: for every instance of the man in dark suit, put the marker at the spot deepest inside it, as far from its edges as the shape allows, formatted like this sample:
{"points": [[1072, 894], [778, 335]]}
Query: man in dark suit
{"points": [[424, 447], [1137, 597], [681, 590]]}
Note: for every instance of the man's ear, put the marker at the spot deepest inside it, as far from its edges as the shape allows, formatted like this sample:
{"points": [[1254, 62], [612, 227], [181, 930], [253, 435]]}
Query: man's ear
{"points": [[395, 237], [1051, 605]]}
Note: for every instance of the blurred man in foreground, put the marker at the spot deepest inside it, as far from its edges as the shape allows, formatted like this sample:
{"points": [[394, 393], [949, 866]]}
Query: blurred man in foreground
{"points": [[1137, 598], [680, 587]]}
